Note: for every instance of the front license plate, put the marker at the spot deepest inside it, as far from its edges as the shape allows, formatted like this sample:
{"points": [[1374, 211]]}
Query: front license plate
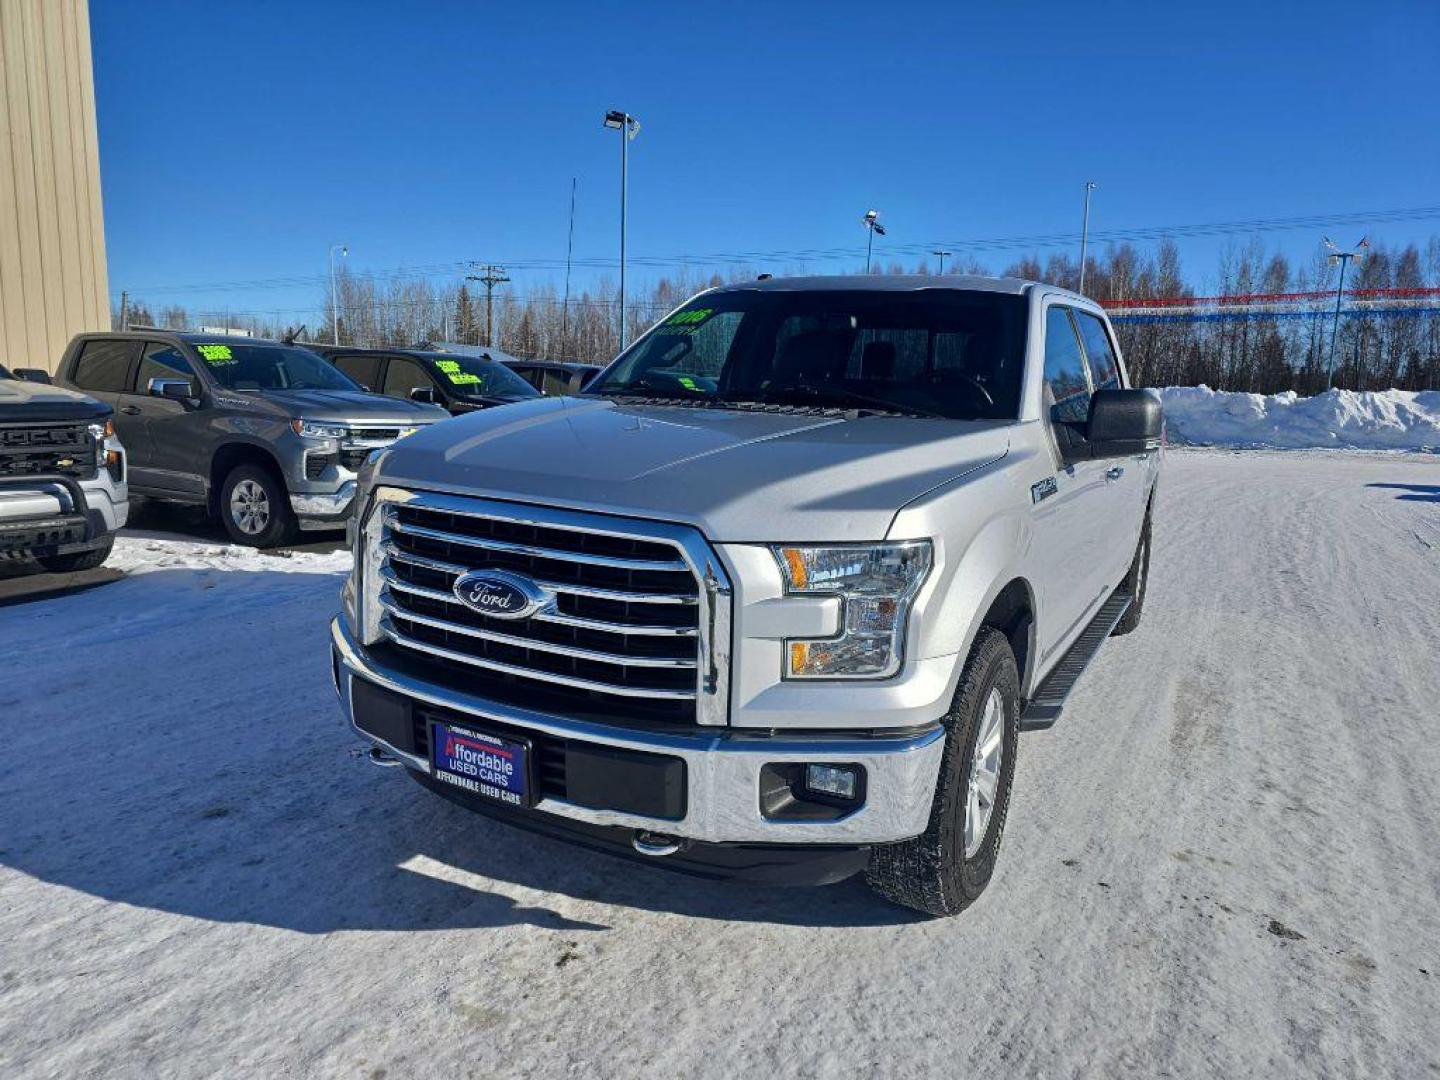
{"points": [[497, 768]]}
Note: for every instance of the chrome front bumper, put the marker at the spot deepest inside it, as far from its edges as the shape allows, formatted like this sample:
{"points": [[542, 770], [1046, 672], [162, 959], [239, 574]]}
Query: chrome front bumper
{"points": [[722, 769], [332, 505]]}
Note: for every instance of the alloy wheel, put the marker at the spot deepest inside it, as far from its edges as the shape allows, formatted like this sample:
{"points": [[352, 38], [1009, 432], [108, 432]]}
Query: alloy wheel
{"points": [[983, 784], [250, 507]]}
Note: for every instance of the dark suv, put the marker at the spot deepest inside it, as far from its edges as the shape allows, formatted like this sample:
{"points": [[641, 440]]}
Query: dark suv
{"points": [[460, 384], [265, 434]]}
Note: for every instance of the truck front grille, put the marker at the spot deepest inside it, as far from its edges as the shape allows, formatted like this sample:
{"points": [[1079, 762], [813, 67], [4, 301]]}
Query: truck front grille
{"points": [[622, 640], [39, 449]]}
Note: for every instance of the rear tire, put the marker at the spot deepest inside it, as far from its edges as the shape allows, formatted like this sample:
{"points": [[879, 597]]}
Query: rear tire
{"points": [[78, 560], [1136, 582], [934, 872], [255, 508]]}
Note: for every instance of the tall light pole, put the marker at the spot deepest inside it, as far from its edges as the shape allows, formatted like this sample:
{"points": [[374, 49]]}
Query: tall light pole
{"points": [[334, 302], [871, 221], [1085, 234], [942, 255], [569, 251], [628, 127], [1343, 258]]}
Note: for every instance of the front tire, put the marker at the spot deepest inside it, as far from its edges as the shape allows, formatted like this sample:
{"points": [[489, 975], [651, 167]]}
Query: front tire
{"points": [[255, 508], [78, 560], [946, 868]]}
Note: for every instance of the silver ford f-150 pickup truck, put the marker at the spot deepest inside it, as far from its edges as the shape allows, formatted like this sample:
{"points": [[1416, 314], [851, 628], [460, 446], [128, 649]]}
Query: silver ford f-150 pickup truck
{"points": [[776, 595]]}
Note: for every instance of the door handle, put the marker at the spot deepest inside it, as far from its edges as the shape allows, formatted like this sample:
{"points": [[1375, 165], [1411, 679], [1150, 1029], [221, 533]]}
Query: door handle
{"points": [[1114, 472], [130, 410]]}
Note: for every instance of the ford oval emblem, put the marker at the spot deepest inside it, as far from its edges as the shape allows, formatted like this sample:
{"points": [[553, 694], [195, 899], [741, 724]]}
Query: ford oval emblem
{"points": [[499, 594]]}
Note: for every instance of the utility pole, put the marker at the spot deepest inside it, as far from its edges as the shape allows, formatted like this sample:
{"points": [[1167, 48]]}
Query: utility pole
{"points": [[942, 255], [569, 252], [1343, 258], [1085, 235], [124, 309], [490, 276]]}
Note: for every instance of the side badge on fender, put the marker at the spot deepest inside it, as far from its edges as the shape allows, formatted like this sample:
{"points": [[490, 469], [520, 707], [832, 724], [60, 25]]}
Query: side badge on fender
{"points": [[1043, 490]]}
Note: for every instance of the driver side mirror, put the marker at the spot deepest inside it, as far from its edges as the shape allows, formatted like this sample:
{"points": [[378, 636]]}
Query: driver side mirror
{"points": [[424, 393], [1123, 422], [172, 390]]}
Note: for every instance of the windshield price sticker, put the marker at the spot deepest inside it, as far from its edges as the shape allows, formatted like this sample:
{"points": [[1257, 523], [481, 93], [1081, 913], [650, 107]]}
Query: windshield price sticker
{"points": [[687, 322], [452, 371], [216, 354]]}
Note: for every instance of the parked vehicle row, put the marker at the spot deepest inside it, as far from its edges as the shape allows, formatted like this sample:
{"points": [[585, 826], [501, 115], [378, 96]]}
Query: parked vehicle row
{"points": [[776, 594], [268, 436], [457, 383]]}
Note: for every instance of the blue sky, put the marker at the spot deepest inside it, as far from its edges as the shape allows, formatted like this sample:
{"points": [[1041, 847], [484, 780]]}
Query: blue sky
{"points": [[240, 140]]}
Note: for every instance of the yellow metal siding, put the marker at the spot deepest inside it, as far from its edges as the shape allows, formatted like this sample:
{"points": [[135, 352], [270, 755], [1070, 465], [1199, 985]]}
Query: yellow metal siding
{"points": [[52, 228]]}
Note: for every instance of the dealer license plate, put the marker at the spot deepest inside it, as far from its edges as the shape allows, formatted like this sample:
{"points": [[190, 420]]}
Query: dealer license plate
{"points": [[490, 765]]}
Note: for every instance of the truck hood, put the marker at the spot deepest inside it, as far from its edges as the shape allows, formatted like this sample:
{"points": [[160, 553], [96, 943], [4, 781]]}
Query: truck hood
{"points": [[27, 402], [738, 476], [336, 405]]}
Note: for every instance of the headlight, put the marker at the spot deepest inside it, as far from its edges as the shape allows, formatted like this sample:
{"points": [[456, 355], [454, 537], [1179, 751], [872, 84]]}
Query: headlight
{"points": [[318, 429], [876, 584], [101, 432]]}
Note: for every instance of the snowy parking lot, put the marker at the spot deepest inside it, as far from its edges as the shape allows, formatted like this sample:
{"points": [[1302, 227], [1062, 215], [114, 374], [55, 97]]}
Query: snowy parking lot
{"points": [[1224, 860]]}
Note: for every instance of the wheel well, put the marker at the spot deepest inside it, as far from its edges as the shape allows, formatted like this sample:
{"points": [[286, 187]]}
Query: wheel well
{"points": [[1013, 613], [233, 454]]}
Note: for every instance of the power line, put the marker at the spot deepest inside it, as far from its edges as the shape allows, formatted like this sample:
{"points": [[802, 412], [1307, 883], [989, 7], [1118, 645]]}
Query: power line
{"points": [[801, 255]]}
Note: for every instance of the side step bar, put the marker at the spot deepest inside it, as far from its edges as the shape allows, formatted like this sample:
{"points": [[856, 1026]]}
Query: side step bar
{"points": [[1043, 709]]}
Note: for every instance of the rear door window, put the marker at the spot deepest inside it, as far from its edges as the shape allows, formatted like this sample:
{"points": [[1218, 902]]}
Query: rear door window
{"points": [[1067, 387], [1104, 366], [555, 382], [104, 366], [363, 369]]}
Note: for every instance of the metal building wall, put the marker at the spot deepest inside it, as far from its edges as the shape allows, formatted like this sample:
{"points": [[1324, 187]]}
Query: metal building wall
{"points": [[52, 229]]}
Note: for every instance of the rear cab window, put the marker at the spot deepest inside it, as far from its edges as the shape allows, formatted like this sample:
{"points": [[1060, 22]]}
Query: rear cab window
{"points": [[104, 366], [363, 369]]}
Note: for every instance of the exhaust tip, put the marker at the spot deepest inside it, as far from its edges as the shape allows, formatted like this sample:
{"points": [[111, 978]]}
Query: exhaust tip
{"points": [[376, 756], [656, 844]]}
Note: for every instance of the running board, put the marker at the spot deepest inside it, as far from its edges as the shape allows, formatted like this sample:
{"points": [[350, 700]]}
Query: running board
{"points": [[1043, 709]]}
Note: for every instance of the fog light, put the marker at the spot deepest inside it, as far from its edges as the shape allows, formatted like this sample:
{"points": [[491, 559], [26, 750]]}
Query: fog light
{"points": [[837, 781]]}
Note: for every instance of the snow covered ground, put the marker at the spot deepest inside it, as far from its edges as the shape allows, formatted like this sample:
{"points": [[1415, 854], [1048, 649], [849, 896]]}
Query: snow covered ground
{"points": [[1222, 861], [1337, 419]]}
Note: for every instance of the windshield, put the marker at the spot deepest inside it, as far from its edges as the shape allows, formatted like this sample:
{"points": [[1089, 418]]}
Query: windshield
{"points": [[941, 353], [270, 367], [477, 377]]}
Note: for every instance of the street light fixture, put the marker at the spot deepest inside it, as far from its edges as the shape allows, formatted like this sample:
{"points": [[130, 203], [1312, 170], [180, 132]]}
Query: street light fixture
{"points": [[618, 120], [334, 303], [871, 221], [1343, 258]]}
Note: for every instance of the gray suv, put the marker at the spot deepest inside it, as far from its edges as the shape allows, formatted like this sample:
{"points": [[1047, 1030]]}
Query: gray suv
{"points": [[265, 434]]}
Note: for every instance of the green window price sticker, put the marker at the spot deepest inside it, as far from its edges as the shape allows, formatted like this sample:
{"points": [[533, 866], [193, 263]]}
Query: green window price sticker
{"points": [[216, 354]]}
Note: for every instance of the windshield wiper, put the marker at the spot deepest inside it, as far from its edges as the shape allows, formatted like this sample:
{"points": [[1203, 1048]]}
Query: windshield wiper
{"points": [[837, 395]]}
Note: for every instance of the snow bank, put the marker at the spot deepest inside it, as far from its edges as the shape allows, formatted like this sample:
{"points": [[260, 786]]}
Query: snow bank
{"points": [[1336, 419]]}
